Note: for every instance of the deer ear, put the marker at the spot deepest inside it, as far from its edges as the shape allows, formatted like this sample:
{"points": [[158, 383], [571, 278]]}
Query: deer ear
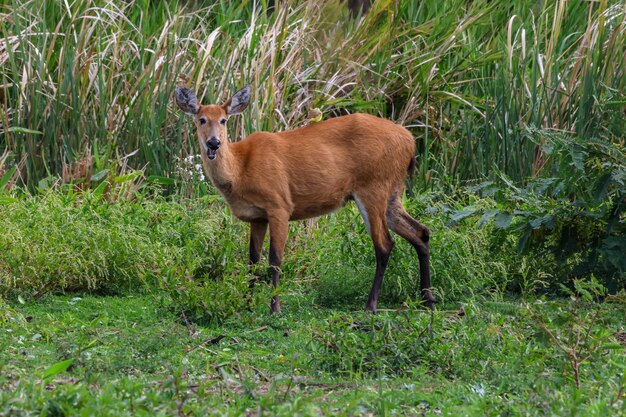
{"points": [[187, 100], [238, 103]]}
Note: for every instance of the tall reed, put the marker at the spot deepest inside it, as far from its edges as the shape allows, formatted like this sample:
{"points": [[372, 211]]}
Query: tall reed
{"points": [[90, 81]]}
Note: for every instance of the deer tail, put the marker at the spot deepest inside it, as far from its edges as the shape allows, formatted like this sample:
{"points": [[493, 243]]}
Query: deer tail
{"points": [[411, 168]]}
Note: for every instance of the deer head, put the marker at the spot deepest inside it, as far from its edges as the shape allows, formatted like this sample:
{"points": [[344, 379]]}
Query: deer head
{"points": [[211, 119]]}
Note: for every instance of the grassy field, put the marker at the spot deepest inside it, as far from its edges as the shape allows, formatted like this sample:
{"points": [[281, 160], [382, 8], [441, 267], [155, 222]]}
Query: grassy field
{"points": [[119, 356], [124, 278]]}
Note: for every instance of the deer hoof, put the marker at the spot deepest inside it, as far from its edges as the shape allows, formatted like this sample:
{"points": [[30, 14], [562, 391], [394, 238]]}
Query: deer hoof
{"points": [[370, 308], [429, 300], [275, 306]]}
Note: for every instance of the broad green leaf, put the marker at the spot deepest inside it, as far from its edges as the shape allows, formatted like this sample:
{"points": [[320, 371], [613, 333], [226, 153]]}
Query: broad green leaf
{"points": [[17, 129], [487, 217], [478, 187], [7, 200], [461, 214], [98, 176], [57, 368], [601, 187], [99, 190], [578, 160], [128, 177], [503, 220], [538, 222], [158, 179], [45, 183], [6, 177]]}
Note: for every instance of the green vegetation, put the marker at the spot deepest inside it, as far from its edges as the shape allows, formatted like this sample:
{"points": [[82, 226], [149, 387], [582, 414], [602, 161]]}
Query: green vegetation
{"points": [[124, 278], [173, 333], [126, 357], [469, 78]]}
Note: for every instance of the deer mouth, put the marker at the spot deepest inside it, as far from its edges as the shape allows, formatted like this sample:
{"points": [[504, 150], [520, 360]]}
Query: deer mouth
{"points": [[211, 147]]}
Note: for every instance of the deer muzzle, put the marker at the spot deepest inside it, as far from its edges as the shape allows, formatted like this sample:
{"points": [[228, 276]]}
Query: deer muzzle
{"points": [[212, 145]]}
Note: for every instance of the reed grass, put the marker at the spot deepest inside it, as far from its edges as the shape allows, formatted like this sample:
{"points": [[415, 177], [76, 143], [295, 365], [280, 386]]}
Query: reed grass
{"points": [[85, 84]]}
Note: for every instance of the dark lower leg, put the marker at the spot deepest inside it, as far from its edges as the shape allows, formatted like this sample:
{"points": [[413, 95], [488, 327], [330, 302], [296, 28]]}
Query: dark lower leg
{"points": [[418, 236], [423, 254], [275, 263], [382, 257], [424, 259], [257, 235], [279, 228]]}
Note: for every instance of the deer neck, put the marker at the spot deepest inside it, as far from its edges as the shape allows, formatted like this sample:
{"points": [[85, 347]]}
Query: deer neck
{"points": [[223, 170]]}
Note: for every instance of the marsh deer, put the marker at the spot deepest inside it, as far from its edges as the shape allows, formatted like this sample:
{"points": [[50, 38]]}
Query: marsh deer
{"points": [[273, 178]]}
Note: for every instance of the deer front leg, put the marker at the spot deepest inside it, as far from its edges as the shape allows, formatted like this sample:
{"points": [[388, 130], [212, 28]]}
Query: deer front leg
{"points": [[257, 235], [279, 228]]}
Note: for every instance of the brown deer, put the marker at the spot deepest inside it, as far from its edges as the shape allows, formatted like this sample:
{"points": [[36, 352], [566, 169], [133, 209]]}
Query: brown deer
{"points": [[273, 178]]}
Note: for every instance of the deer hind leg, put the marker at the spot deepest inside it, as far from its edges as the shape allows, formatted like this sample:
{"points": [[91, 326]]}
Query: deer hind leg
{"points": [[418, 236], [373, 213]]}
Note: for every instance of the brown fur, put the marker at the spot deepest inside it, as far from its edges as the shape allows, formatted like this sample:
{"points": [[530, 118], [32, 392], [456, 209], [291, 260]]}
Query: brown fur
{"points": [[311, 171], [273, 178]]}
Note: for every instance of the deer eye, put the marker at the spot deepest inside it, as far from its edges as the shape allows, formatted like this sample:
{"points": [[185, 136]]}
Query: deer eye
{"points": [[203, 121], [223, 121]]}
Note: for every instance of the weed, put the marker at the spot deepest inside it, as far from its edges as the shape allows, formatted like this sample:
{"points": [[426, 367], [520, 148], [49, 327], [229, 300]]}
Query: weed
{"points": [[576, 334]]}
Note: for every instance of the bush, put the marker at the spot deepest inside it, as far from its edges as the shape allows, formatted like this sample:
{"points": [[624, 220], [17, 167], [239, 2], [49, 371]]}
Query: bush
{"points": [[66, 241], [190, 254], [573, 220]]}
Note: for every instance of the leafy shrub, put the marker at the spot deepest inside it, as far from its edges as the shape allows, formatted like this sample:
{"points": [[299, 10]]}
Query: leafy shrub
{"points": [[573, 329], [207, 299], [66, 241], [573, 222], [218, 285]]}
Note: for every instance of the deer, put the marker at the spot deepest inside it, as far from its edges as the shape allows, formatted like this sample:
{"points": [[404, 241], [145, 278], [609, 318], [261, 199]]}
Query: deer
{"points": [[272, 178]]}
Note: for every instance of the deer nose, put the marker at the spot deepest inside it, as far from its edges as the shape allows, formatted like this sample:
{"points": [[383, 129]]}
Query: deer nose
{"points": [[213, 143]]}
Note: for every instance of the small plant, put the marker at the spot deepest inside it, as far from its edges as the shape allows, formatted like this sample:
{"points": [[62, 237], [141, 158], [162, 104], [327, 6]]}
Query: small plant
{"points": [[210, 300], [574, 330], [9, 314]]}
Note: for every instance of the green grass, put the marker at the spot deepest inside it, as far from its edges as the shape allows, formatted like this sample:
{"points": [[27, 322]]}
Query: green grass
{"points": [[59, 241], [131, 358]]}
